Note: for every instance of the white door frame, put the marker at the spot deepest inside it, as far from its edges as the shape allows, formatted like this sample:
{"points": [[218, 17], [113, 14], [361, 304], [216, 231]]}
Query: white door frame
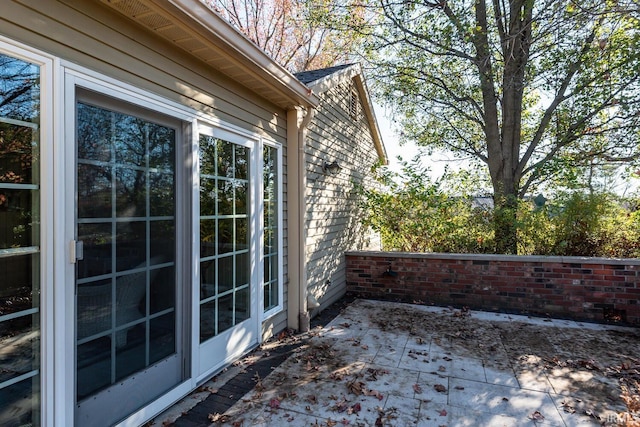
{"points": [[72, 77]]}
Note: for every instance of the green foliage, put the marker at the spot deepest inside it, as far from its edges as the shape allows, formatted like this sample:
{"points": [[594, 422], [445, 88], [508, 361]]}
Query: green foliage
{"points": [[414, 213]]}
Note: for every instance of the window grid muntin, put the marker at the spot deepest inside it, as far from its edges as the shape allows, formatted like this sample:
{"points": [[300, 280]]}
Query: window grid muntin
{"points": [[271, 228], [227, 175], [114, 164]]}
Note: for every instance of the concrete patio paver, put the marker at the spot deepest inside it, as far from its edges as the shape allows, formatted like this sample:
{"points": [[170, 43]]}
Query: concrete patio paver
{"points": [[390, 364]]}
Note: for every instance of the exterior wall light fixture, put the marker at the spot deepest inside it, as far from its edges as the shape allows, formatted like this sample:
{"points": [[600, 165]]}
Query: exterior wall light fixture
{"points": [[332, 168]]}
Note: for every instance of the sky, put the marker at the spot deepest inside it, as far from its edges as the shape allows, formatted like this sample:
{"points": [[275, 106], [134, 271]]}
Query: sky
{"points": [[409, 150]]}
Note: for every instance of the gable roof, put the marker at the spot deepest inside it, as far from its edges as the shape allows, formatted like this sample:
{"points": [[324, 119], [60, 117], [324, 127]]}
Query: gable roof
{"points": [[324, 79], [307, 77], [195, 28]]}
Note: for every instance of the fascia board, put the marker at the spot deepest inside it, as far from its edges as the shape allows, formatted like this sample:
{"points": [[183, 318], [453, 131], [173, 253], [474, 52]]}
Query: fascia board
{"points": [[196, 17]]}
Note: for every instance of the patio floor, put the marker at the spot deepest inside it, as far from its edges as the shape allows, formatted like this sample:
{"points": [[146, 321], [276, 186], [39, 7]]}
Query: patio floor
{"points": [[391, 364]]}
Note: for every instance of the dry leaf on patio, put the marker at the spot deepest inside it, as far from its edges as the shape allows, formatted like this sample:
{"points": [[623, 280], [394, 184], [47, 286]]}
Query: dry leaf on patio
{"points": [[537, 416], [375, 393], [440, 388], [354, 409], [238, 423], [274, 403], [417, 388], [442, 369], [443, 413], [356, 387], [331, 423], [218, 418]]}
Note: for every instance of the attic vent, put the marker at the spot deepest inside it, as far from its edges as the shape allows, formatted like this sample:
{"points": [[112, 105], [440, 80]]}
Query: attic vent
{"points": [[354, 106]]}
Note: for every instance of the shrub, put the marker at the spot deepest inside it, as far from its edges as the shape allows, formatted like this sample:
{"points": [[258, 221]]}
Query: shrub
{"points": [[413, 213]]}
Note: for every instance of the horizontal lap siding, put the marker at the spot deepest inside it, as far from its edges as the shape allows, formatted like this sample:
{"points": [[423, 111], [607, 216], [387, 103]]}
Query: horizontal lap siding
{"points": [[333, 218], [94, 36]]}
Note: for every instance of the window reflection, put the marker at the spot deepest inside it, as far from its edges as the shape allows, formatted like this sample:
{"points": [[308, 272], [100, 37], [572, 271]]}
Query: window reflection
{"points": [[224, 235], [270, 261], [126, 287], [19, 243]]}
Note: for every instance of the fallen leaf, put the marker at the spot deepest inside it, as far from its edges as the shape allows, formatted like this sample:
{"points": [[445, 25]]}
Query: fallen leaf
{"points": [[375, 393], [459, 387], [356, 387], [417, 388], [537, 416], [218, 418], [331, 423], [274, 403], [443, 413], [440, 388], [442, 369], [354, 409]]}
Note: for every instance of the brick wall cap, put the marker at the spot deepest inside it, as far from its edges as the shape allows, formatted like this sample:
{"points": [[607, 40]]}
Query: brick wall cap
{"points": [[491, 257]]}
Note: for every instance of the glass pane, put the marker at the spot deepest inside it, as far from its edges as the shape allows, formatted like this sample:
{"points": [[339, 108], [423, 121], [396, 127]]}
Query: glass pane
{"points": [[225, 274], [164, 243], [131, 245], [94, 191], [131, 192], [94, 366], [93, 302], [16, 211], [241, 162], [161, 147], [242, 269], [19, 90], [20, 403], [161, 187], [225, 159], [94, 133], [225, 315], [225, 235], [18, 152], [225, 197], [207, 279], [242, 306], [207, 154], [16, 290], [130, 139], [241, 198], [163, 289], [242, 235], [162, 338], [131, 295], [130, 350], [207, 197], [20, 346], [97, 250], [207, 320], [207, 238]]}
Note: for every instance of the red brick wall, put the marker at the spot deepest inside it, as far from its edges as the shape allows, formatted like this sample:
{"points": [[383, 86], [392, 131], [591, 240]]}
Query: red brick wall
{"points": [[569, 287]]}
